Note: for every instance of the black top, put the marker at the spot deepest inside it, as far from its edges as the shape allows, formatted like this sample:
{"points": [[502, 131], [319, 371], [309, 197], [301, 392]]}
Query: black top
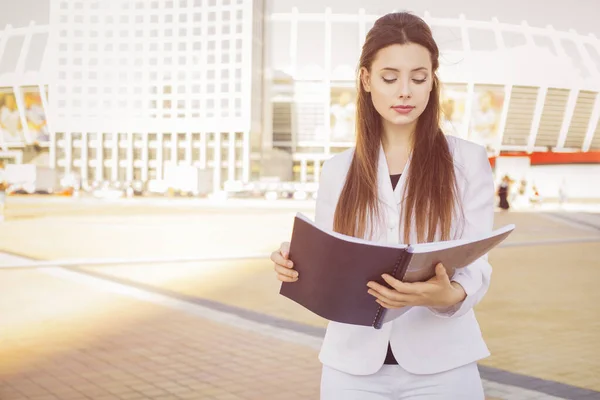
{"points": [[389, 357], [395, 179]]}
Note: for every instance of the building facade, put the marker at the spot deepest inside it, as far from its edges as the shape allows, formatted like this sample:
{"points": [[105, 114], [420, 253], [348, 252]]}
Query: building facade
{"points": [[507, 87], [119, 90]]}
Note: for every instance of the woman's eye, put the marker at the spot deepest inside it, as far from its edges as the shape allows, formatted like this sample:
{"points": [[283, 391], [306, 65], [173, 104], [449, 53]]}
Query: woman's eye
{"points": [[389, 80], [419, 81]]}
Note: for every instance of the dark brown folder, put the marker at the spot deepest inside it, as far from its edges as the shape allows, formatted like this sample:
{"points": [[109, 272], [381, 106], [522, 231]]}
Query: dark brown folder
{"points": [[334, 269]]}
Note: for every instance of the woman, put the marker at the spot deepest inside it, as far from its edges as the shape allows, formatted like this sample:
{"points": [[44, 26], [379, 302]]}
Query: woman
{"points": [[503, 190], [443, 190]]}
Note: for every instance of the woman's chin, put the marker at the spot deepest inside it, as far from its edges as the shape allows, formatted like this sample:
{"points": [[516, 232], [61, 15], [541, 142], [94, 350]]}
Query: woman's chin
{"points": [[399, 120]]}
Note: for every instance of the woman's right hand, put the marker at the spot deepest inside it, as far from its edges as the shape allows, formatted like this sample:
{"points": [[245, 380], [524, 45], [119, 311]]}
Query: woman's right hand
{"points": [[284, 267]]}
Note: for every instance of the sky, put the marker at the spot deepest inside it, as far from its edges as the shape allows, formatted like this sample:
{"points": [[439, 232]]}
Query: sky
{"points": [[581, 15]]}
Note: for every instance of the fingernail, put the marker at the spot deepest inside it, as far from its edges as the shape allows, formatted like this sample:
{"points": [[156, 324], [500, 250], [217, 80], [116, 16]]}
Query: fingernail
{"points": [[285, 254], [295, 274], [290, 264]]}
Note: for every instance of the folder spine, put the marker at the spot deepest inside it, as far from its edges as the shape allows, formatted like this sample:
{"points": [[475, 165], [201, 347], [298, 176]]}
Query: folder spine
{"points": [[402, 261]]}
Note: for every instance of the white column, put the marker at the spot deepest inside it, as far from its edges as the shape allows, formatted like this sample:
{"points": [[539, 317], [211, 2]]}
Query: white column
{"points": [[130, 156], [568, 116], [159, 155], [47, 112], [231, 156], [145, 158], [587, 142], [85, 159], [4, 35], [507, 88], [246, 157], [247, 66], [503, 117], [267, 82], [174, 144], [114, 173], [267, 112], [573, 94], [217, 162], [100, 157], [21, 108], [20, 70], [317, 169], [466, 120], [303, 170], [49, 127], [537, 117], [203, 150], [52, 150], [188, 148], [68, 141], [218, 109]]}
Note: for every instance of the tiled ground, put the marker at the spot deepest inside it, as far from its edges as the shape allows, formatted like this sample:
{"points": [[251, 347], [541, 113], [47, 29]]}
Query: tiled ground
{"points": [[115, 342], [72, 341], [541, 317]]}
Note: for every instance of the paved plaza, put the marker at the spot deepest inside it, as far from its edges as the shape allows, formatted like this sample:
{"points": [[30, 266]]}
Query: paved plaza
{"points": [[157, 299]]}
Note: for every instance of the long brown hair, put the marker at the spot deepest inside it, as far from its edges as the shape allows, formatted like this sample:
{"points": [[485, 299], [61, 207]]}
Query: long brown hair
{"points": [[430, 195]]}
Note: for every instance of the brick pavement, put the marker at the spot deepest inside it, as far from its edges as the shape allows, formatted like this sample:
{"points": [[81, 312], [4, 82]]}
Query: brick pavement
{"points": [[540, 317], [71, 341], [84, 338]]}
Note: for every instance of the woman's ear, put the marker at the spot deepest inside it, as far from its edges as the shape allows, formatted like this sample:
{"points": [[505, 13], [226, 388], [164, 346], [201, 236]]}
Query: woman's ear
{"points": [[365, 79]]}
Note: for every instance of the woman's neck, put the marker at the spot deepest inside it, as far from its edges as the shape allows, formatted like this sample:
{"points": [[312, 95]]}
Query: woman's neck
{"points": [[397, 145], [397, 137]]}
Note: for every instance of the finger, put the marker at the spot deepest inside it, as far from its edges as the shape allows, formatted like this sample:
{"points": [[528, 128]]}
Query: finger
{"points": [[440, 272], [284, 278], [390, 280], [286, 271], [278, 259], [284, 249], [386, 292], [399, 286], [397, 300], [387, 305]]}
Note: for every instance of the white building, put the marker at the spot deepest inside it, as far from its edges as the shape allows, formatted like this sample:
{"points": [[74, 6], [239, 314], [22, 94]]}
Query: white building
{"points": [[250, 88]]}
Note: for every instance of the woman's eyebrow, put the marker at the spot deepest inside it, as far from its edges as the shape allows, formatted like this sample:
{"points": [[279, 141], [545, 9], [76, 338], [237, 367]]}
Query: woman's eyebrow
{"points": [[397, 70]]}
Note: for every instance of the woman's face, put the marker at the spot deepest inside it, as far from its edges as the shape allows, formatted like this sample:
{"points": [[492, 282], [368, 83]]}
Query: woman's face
{"points": [[400, 81]]}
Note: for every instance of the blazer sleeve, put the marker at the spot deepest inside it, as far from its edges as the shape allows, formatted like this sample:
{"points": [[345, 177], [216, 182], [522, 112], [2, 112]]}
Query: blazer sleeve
{"points": [[325, 207], [478, 210]]}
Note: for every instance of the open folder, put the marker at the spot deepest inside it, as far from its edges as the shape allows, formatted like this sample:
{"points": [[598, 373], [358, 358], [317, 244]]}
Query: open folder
{"points": [[334, 269]]}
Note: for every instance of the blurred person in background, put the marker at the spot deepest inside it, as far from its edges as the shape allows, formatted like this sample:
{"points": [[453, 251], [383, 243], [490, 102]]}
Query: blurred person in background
{"points": [[503, 191], [405, 181], [562, 192]]}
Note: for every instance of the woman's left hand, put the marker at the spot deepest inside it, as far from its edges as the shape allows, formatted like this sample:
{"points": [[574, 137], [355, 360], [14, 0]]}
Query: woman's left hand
{"points": [[436, 292]]}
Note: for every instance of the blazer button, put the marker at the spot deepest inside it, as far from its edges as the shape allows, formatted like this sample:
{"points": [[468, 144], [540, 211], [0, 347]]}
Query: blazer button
{"points": [[392, 223]]}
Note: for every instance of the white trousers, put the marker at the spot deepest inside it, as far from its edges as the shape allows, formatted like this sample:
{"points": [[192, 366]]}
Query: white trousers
{"points": [[392, 382]]}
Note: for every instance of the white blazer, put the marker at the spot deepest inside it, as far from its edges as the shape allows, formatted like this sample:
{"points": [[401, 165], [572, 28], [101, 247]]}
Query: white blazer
{"points": [[423, 340]]}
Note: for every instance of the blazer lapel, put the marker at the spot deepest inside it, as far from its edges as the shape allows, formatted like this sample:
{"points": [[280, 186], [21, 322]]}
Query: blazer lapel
{"points": [[390, 197]]}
